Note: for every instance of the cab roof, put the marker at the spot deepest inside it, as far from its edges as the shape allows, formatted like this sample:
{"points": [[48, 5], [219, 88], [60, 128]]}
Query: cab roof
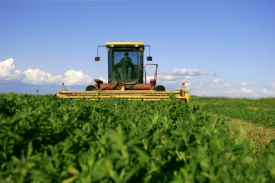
{"points": [[124, 43]]}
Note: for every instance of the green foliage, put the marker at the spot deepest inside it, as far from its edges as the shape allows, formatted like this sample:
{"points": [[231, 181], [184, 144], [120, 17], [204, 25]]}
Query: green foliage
{"points": [[238, 108], [48, 139], [7, 105]]}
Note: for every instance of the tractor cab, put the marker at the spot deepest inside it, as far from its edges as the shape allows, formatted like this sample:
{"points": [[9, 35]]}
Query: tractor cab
{"points": [[125, 62]]}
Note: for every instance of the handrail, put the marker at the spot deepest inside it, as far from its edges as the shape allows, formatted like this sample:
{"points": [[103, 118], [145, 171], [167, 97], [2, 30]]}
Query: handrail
{"points": [[155, 76]]}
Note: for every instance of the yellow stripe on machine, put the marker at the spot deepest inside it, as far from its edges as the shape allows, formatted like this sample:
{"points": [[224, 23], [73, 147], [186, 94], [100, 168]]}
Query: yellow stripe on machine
{"points": [[118, 91], [130, 95]]}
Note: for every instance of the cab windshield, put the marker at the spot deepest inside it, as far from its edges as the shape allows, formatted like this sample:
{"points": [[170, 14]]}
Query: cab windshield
{"points": [[124, 64]]}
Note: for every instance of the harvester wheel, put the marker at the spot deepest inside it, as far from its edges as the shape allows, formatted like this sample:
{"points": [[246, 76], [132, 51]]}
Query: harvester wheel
{"points": [[160, 88], [90, 88]]}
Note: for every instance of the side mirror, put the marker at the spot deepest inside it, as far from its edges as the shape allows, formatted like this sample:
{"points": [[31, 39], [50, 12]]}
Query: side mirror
{"points": [[149, 58], [97, 58]]}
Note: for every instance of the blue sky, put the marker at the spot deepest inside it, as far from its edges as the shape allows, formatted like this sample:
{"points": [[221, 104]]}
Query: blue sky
{"points": [[217, 47]]}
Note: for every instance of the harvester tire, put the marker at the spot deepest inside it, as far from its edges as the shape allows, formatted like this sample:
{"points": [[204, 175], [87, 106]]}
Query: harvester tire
{"points": [[160, 88], [90, 88]]}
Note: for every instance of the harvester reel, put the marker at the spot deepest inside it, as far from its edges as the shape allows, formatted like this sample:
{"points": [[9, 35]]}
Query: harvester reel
{"points": [[90, 88], [160, 88]]}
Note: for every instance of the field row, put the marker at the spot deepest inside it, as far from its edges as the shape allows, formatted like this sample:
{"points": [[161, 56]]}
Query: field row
{"points": [[257, 111]]}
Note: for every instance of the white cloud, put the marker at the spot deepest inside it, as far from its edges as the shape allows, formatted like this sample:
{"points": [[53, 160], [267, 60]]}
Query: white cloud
{"points": [[183, 72], [215, 83], [7, 71], [212, 84], [77, 78], [169, 77], [244, 84], [246, 90], [172, 80], [6, 67], [39, 77], [268, 92], [233, 91], [227, 85], [243, 92], [218, 80]]}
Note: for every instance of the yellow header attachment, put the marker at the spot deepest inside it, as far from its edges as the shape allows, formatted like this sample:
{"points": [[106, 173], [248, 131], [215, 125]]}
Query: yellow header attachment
{"points": [[124, 43]]}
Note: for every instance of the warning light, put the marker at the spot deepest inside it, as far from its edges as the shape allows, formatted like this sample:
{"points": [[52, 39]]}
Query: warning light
{"points": [[63, 84], [183, 84]]}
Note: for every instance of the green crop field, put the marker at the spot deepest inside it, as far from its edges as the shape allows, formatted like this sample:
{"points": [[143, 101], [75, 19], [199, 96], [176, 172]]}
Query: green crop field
{"points": [[48, 139], [258, 111]]}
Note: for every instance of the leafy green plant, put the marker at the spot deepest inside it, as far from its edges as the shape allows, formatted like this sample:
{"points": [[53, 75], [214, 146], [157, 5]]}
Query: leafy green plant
{"points": [[49, 139]]}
